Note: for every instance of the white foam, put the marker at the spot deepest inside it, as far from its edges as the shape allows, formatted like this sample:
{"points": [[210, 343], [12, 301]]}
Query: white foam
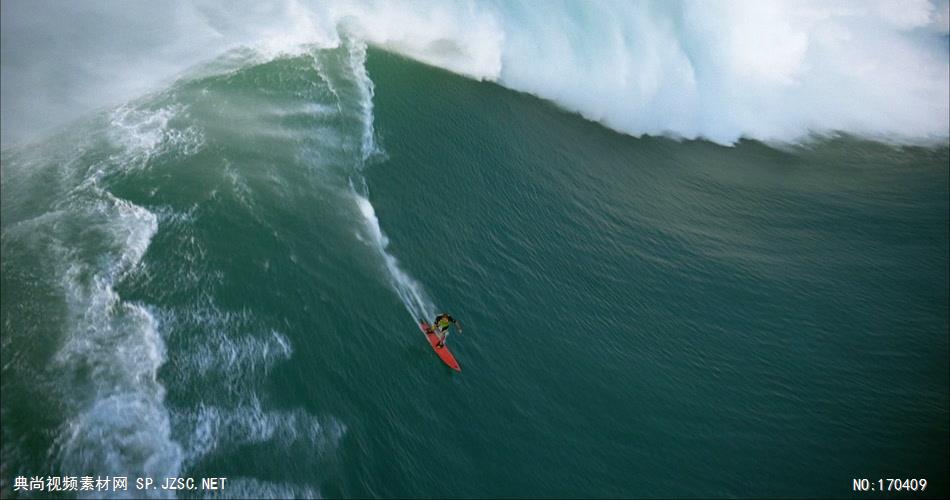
{"points": [[227, 360], [143, 133], [465, 38], [124, 433], [236, 358], [108, 362], [357, 60], [372, 222], [221, 428], [223, 357], [406, 287], [308, 109], [723, 70], [116, 421], [140, 132], [230, 349], [716, 69]]}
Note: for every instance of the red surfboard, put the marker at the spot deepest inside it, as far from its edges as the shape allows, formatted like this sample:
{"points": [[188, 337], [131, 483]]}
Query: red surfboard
{"points": [[444, 354]]}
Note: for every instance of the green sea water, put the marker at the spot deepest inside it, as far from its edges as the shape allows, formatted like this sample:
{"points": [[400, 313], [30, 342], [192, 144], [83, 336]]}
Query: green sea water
{"points": [[223, 279]]}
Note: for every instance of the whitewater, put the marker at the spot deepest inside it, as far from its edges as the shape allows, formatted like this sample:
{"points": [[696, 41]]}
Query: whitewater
{"points": [[778, 70], [104, 371]]}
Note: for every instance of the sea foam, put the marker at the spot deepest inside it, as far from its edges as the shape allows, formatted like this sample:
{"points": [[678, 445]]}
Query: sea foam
{"points": [[776, 70], [721, 70]]}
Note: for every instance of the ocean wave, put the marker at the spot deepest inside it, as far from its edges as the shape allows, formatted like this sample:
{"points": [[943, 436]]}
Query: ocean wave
{"points": [[226, 356], [126, 433], [716, 70], [777, 70], [109, 358], [143, 133], [105, 351], [409, 290], [228, 351], [214, 428]]}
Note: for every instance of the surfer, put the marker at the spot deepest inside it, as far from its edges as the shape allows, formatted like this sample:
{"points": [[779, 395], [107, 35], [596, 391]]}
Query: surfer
{"points": [[441, 325]]}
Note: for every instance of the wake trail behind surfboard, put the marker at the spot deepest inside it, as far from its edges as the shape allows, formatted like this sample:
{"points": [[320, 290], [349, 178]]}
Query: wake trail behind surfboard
{"points": [[406, 287]]}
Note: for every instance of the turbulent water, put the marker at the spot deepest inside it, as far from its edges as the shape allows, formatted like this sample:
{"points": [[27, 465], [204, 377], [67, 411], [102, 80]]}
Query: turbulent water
{"points": [[221, 277]]}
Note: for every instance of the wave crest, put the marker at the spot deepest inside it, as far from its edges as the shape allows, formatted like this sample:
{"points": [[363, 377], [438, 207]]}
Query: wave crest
{"points": [[721, 70]]}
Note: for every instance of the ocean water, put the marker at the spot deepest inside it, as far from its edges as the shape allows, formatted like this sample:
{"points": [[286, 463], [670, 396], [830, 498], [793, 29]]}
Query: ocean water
{"points": [[222, 278]]}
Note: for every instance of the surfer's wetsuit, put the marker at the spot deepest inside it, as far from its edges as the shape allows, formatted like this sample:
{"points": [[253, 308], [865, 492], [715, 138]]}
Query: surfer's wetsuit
{"points": [[443, 321], [441, 325]]}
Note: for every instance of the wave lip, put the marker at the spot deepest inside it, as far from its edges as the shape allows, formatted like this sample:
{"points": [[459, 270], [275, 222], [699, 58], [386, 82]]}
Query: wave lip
{"points": [[727, 70], [720, 70], [463, 38]]}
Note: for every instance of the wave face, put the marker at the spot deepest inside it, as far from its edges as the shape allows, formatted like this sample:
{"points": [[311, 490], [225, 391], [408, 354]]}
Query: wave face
{"points": [[122, 354], [777, 70]]}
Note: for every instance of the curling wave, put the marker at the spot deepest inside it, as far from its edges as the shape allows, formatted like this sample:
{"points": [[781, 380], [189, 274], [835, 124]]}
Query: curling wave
{"points": [[778, 70]]}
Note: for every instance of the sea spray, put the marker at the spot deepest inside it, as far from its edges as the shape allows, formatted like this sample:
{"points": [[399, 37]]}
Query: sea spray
{"points": [[721, 70], [406, 287], [409, 290], [111, 352]]}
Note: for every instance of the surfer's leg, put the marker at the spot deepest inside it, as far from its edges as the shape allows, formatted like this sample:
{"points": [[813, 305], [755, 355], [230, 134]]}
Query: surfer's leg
{"points": [[445, 335]]}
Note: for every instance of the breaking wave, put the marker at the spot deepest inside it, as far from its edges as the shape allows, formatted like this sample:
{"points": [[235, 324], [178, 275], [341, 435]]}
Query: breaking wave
{"points": [[777, 70]]}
